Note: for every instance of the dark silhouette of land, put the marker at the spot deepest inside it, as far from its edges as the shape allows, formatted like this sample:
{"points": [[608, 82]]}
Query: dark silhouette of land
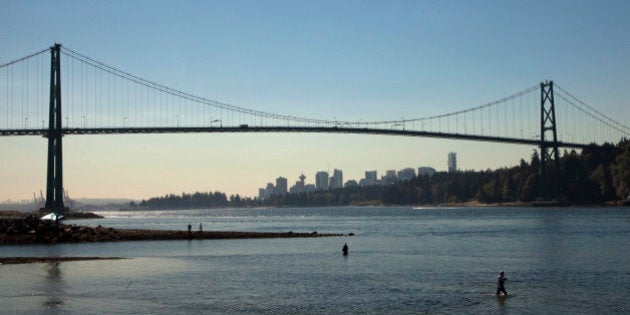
{"points": [[599, 174], [32, 230], [31, 260]]}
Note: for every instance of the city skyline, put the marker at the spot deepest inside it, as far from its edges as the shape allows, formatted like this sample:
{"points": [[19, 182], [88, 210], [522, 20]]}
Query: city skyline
{"points": [[360, 61], [370, 178]]}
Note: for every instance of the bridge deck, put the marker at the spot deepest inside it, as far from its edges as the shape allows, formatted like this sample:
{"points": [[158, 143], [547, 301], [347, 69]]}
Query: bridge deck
{"points": [[246, 128]]}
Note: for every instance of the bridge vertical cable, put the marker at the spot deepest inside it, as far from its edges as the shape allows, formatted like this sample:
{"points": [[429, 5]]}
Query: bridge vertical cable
{"points": [[99, 98], [586, 123], [23, 100]]}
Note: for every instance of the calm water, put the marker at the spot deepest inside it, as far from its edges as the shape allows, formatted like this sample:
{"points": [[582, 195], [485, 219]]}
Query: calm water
{"points": [[401, 260]]}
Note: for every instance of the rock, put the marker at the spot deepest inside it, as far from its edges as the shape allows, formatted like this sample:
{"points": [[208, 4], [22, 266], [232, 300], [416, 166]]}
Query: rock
{"points": [[12, 230]]}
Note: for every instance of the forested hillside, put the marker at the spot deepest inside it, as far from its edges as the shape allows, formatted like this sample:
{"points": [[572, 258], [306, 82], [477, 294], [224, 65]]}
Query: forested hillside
{"points": [[597, 175]]}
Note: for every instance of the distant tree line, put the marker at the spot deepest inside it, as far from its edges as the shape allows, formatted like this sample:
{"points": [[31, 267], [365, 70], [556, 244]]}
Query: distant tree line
{"points": [[600, 173], [198, 200]]}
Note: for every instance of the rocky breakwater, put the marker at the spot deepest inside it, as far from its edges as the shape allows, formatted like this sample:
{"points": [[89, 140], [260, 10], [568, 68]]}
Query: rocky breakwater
{"points": [[32, 230]]}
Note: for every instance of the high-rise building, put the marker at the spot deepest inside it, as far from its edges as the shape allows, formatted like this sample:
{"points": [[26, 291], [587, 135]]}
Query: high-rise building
{"points": [[271, 190], [281, 185], [452, 162], [370, 175], [406, 174], [351, 183], [336, 181], [370, 179], [426, 171], [321, 180], [390, 178]]}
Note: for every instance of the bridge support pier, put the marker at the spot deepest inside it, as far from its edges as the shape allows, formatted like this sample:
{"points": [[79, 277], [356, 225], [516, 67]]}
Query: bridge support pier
{"points": [[54, 181], [549, 183]]}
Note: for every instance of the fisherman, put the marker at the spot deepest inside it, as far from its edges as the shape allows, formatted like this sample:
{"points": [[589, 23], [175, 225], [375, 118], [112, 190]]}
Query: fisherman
{"points": [[345, 249], [200, 227], [189, 231], [500, 283]]}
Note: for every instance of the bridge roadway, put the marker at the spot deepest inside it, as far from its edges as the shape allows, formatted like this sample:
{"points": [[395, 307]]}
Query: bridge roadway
{"points": [[246, 128]]}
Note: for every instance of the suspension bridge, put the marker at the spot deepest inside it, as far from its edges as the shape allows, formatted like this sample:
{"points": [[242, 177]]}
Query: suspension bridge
{"points": [[101, 99]]}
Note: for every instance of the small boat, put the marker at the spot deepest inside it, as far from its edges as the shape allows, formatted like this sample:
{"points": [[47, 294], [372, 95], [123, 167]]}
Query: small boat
{"points": [[52, 216]]}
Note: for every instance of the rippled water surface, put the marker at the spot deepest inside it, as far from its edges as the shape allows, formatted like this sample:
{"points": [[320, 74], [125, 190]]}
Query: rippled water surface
{"points": [[401, 260]]}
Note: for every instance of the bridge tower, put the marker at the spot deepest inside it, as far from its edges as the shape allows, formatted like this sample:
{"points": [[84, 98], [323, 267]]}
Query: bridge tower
{"points": [[548, 147], [54, 182]]}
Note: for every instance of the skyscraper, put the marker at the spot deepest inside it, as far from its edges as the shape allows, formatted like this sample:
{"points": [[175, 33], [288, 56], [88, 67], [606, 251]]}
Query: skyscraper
{"points": [[406, 174], [321, 180], [390, 178], [281, 185], [336, 181], [452, 162], [370, 176], [370, 179]]}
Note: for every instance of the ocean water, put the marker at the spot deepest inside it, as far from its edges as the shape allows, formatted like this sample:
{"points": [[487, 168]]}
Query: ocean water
{"points": [[401, 261]]}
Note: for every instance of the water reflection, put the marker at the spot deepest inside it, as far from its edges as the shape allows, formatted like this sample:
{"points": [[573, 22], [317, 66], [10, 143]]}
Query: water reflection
{"points": [[53, 286]]}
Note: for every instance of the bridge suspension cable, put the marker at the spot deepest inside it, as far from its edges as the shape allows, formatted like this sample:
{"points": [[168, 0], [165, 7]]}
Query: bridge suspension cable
{"points": [[24, 58], [175, 107], [24, 92], [178, 93], [592, 112], [99, 98]]}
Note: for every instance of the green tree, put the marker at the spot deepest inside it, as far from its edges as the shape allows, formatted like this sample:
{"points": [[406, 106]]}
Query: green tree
{"points": [[530, 188], [621, 173], [602, 178], [508, 193]]}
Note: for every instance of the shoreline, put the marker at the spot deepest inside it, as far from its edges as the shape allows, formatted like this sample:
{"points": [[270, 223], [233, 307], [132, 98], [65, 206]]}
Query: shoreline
{"points": [[472, 204], [465, 204]]}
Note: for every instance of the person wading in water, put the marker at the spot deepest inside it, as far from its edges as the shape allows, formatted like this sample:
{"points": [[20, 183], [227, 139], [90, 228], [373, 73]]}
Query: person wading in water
{"points": [[500, 283]]}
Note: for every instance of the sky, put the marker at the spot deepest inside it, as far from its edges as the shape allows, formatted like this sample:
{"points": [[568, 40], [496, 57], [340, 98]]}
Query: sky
{"points": [[345, 60]]}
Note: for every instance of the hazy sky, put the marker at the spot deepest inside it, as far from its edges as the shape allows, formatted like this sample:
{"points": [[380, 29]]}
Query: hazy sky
{"points": [[351, 60]]}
